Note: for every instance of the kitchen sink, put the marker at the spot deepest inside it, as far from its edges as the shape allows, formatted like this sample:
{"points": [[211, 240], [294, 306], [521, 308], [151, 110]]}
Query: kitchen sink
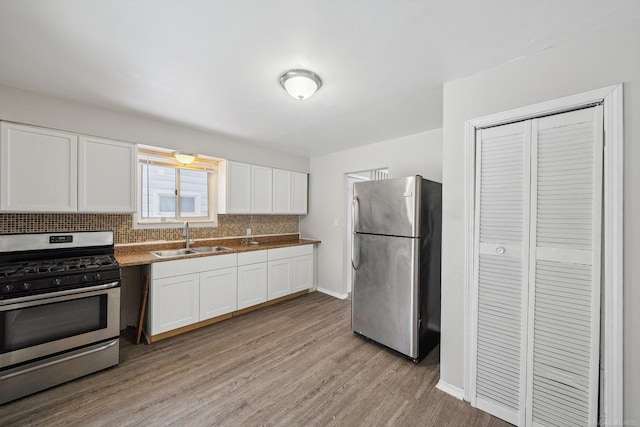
{"points": [[207, 249], [182, 252], [173, 252]]}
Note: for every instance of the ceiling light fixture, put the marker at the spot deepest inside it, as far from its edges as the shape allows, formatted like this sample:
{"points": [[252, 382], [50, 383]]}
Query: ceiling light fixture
{"points": [[300, 84], [184, 157]]}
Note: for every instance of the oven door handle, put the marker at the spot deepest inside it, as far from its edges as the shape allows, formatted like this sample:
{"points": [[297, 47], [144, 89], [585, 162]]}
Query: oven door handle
{"points": [[59, 294]]}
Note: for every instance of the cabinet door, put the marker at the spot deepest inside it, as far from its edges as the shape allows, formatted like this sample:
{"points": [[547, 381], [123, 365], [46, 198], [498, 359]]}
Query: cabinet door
{"points": [[218, 292], [280, 274], [235, 188], [302, 273], [174, 302], [38, 169], [106, 175], [261, 189], [281, 191], [252, 284], [298, 193]]}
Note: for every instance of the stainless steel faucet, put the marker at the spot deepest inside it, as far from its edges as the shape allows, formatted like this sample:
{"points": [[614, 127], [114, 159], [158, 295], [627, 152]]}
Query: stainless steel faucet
{"points": [[185, 233]]}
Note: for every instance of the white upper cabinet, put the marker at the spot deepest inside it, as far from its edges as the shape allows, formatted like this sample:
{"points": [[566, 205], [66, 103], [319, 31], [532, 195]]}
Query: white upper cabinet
{"points": [[299, 193], [289, 192], [45, 170], [106, 175], [234, 195], [38, 169], [281, 191], [251, 189], [261, 189]]}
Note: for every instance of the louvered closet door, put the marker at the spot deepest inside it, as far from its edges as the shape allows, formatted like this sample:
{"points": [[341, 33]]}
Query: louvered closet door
{"points": [[502, 233], [564, 278]]}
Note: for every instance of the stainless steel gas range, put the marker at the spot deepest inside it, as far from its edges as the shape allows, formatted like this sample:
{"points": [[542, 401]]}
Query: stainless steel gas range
{"points": [[59, 309]]}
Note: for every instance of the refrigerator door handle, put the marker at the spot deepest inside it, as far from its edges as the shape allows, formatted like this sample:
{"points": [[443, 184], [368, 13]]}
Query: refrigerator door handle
{"points": [[354, 238]]}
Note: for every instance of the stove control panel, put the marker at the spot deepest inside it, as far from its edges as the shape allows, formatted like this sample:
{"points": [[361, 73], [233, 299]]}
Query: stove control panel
{"points": [[52, 284]]}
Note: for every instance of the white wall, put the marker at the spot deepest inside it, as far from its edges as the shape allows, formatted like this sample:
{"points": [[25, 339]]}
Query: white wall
{"points": [[419, 154], [601, 59], [30, 108]]}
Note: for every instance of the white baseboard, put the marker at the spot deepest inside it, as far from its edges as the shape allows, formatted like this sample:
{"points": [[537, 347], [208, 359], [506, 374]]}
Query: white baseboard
{"points": [[454, 391], [332, 293]]}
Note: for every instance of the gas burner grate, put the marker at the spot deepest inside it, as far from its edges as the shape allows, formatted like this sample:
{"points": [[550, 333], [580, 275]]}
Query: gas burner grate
{"points": [[72, 265]]}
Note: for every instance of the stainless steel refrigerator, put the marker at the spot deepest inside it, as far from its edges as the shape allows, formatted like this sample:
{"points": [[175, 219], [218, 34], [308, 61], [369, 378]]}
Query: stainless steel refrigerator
{"points": [[397, 229]]}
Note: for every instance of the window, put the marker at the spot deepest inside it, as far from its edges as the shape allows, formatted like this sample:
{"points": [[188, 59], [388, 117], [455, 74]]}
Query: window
{"points": [[173, 193]]}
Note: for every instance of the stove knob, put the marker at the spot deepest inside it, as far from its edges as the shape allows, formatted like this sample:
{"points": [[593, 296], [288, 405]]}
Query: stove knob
{"points": [[85, 278], [57, 281], [7, 288], [98, 276], [26, 286]]}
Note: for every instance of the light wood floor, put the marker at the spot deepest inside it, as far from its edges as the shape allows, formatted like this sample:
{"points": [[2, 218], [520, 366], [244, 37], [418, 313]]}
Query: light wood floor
{"points": [[296, 363]]}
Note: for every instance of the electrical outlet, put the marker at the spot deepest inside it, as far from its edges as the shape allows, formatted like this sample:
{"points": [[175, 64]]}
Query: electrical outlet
{"points": [[248, 232]]}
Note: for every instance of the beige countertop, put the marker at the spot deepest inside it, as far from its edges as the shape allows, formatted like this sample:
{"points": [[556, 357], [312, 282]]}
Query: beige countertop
{"points": [[133, 254]]}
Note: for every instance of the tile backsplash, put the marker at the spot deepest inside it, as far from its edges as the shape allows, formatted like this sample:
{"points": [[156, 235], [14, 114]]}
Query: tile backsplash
{"points": [[121, 225]]}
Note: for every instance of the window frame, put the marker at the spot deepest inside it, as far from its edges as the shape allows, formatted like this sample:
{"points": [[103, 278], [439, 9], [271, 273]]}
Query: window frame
{"points": [[163, 157]]}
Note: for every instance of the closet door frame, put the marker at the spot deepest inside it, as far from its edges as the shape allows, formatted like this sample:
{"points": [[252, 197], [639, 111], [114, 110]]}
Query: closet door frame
{"points": [[612, 238]]}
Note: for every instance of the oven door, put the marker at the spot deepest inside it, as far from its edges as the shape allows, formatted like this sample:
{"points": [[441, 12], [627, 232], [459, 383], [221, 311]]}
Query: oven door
{"points": [[42, 325]]}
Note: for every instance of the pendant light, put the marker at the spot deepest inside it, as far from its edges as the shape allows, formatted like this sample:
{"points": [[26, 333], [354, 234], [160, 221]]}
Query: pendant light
{"points": [[300, 84]]}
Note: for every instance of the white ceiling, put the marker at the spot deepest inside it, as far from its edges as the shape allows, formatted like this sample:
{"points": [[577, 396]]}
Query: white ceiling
{"points": [[214, 65]]}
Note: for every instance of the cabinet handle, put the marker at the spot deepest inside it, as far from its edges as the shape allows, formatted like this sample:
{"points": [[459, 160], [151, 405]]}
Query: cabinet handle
{"points": [[500, 250]]}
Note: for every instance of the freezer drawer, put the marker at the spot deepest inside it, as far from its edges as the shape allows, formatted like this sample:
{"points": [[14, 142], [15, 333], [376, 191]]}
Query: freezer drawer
{"points": [[385, 291]]}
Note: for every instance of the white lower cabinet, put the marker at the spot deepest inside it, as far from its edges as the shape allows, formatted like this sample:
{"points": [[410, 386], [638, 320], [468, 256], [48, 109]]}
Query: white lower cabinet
{"points": [[218, 292], [252, 278], [174, 302], [187, 291], [280, 274], [290, 270], [302, 273]]}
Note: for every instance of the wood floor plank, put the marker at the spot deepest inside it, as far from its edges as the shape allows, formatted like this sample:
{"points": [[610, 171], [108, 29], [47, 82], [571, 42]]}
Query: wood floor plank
{"points": [[295, 363]]}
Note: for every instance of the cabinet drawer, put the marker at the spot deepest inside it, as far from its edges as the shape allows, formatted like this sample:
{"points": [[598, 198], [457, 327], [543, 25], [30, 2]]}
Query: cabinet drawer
{"points": [[290, 252], [253, 257], [192, 265]]}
